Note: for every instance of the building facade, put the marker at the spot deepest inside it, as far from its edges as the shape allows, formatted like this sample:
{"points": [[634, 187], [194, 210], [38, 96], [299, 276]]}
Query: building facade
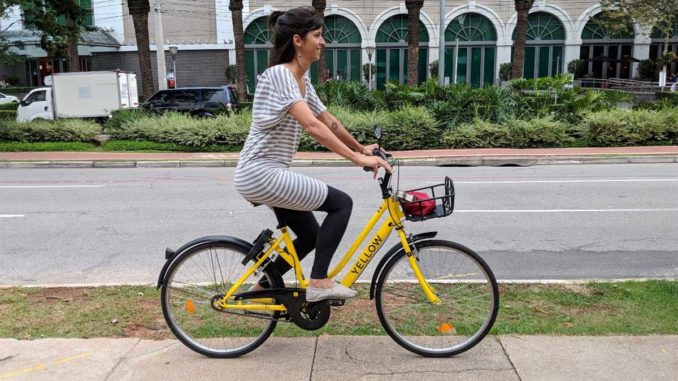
{"points": [[478, 37]]}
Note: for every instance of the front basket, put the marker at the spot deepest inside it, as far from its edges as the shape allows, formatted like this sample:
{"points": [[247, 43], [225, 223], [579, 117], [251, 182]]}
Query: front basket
{"points": [[441, 194]]}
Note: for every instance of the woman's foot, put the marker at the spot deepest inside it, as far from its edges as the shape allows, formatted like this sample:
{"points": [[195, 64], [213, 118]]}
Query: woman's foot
{"points": [[256, 287], [322, 289]]}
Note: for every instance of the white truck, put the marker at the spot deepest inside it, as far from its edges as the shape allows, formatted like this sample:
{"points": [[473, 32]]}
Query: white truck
{"points": [[93, 94]]}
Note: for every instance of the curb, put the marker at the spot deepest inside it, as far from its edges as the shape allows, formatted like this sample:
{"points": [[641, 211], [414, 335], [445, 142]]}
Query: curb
{"points": [[458, 161]]}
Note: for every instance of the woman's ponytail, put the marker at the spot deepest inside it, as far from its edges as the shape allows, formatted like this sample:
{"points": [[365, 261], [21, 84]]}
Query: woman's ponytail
{"points": [[273, 19]]}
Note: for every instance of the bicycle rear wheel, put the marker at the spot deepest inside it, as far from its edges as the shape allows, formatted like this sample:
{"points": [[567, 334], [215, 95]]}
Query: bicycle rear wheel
{"points": [[465, 285], [196, 277]]}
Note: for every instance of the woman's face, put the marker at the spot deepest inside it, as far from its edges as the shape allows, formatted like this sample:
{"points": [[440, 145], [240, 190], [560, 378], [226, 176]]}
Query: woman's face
{"points": [[312, 45]]}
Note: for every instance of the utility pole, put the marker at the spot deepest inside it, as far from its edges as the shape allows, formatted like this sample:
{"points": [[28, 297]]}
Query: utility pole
{"points": [[160, 46], [441, 44]]}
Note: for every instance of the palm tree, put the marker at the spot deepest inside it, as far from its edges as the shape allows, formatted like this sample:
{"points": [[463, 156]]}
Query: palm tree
{"points": [[413, 11], [139, 10], [320, 6], [235, 6], [72, 39], [523, 9]]}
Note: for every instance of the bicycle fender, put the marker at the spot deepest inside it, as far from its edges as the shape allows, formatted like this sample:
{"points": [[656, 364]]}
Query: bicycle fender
{"points": [[392, 252], [170, 254]]}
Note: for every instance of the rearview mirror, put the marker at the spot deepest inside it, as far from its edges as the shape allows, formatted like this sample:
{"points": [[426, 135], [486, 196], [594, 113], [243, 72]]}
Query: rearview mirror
{"points": [[377, 133], [23, 103]]}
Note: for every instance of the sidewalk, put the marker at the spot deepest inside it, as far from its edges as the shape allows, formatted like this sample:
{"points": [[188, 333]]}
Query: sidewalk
{"points": [[345, 358], [461, 157]]}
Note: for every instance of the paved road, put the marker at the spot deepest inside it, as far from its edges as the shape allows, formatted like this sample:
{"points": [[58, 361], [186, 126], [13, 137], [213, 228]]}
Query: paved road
{"points": [[543, 222]]}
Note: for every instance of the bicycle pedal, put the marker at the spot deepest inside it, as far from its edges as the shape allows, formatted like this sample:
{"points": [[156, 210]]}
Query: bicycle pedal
{"points": [[336, 302]]}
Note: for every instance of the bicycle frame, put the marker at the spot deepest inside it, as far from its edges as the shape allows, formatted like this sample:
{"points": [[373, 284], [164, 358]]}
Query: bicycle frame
{"points": [[288, 253]]}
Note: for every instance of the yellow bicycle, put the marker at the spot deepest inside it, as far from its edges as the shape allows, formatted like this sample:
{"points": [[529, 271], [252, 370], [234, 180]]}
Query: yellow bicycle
{"points": [[435, 298]]}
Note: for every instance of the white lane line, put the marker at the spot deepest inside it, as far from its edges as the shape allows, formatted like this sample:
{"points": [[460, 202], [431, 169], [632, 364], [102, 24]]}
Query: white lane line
{"points": [[48, 186], [561, 181], [11, 215], [567, 210]]}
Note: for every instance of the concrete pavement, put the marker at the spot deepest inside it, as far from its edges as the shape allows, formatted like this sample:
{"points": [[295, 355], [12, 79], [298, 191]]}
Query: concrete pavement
{"points": [[465, 157], [345, 358]]}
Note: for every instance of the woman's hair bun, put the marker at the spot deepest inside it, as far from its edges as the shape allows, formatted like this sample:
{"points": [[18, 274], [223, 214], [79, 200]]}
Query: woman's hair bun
{"points": [[273, 18]]}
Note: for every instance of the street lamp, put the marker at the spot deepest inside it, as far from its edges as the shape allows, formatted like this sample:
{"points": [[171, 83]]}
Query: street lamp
{"points": [[370, 51], [173, 51]]}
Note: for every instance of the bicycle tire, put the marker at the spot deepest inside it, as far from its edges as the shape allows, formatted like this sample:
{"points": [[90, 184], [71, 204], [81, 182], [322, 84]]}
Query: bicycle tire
{"points": [[456, 273], [193, 279]]}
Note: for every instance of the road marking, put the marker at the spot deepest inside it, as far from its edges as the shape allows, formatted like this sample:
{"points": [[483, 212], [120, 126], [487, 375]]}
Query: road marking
{"points": [[561, 181], [11, 215], [43, 366], [49, 186], [566, 210]]}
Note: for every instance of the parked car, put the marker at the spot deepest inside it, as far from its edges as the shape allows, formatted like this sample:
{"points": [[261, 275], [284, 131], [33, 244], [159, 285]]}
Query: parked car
{"points": [[8, 98], [197, 101]]}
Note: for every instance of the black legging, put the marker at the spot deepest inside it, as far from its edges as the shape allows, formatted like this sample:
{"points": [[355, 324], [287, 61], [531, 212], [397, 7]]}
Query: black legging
{"points": [[324, 238]]}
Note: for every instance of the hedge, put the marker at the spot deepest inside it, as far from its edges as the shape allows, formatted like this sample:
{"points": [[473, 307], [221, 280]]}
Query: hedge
{"points": [[536, 133], [65, 130], [408, 128], [627, 128]]}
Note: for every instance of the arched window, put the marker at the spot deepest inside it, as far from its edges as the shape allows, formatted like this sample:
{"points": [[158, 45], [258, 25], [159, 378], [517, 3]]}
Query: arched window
{"points": [[391, 41], [258, 45], [342, 49], [543, 46], [659, 41], [476, 39], [608, 51]]}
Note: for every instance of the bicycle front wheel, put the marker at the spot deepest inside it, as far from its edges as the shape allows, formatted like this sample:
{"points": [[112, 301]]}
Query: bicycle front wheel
{"points": [[465, 285], [200, 275]]}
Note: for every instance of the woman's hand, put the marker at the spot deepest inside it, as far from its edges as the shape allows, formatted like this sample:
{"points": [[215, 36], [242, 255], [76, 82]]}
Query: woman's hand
{"points": [[367, 150], [374, 162]]}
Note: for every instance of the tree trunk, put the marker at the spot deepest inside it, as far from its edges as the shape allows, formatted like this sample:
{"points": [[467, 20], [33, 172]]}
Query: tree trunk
{"points": [[235, 7], [72, 48], [139, 10], [320, 6], [413, 11], [523, 10]]}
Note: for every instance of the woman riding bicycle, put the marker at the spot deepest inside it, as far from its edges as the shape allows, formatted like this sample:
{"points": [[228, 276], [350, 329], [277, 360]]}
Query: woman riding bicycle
{"points": [[284, 104]]}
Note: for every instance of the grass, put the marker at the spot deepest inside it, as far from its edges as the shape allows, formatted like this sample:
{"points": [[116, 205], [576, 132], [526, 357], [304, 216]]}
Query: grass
{"points": [[148, 146], [46, 146], [626, 308]]}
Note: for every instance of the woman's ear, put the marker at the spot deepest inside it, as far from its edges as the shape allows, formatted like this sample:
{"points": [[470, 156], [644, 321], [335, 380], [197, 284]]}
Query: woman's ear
{"points": [[296, 39]]}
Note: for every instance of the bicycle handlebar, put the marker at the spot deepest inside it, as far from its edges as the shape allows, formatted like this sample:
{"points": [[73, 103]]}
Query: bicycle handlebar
{"points": [[385, 181], [380, 153]]}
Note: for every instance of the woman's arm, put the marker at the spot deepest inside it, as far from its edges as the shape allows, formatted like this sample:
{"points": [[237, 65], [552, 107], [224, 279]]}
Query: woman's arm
{"points": [[340, 131], [330, 139]]}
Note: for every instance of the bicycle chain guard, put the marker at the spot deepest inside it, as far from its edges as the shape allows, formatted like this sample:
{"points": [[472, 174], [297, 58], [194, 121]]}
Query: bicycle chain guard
{"points": [[308, 316]]}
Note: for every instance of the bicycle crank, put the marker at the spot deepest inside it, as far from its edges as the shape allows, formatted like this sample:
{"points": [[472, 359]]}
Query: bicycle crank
{"points": [[308, 316]]}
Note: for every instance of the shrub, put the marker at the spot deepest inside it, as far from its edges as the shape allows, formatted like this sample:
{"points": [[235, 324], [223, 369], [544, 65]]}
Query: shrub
{"points": [[366, 71], [515, 133], [64, 130], [185, 130], [410, 128], [478, 134], [120, 117], [433, 69], [505, 71], [8, 114], [9, 106], [406, 129], [350, 94], [538, 133], [625, 128], [648, 70], [577, 67]]}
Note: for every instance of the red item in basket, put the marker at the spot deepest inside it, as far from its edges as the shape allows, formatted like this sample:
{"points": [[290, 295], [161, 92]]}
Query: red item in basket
{"points": [[423, 208]]}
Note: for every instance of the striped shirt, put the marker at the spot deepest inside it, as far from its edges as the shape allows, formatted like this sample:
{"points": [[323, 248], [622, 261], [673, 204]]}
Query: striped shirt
{"points": [[262, 175]]}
